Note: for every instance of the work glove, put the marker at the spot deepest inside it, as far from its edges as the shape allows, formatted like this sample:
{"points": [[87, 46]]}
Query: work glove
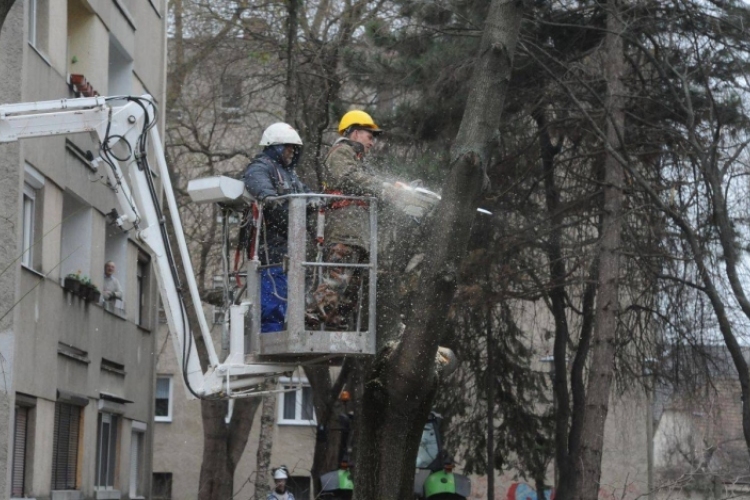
{"points": [[270, 202], [315, 202]]}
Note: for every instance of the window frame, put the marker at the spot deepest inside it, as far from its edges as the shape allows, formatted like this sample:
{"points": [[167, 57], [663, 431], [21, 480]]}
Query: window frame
{"points": [[168, 478], [117, 250], [38, 27], [28, 216], [33, 183], [165, 418], [300, 384], [32, 20], [142, 281], [297, 486], [112, 439], [137, 451], [231, 95]]}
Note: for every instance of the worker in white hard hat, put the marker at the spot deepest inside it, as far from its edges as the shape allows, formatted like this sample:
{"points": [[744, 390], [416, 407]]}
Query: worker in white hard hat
{"points": [[270, 174], [280, 492]]}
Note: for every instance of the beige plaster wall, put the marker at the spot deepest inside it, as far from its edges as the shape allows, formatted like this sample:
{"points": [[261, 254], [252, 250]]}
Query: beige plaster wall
{"points": [[178, 446]]}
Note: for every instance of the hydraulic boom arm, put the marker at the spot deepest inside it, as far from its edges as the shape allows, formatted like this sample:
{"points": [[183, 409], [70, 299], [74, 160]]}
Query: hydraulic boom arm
{"points": [[123, 133]]}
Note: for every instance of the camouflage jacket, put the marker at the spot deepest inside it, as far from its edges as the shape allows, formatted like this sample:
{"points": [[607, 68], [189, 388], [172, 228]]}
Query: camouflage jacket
{"points": [[345, 170], [346, 173]]}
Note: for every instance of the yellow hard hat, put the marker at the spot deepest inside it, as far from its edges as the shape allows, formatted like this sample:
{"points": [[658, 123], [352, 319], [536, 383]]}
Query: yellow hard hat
{"points": [[357, 118]]}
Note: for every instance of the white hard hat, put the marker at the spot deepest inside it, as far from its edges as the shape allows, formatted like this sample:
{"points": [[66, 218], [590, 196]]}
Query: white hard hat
{"points": [[280, 473], [280, 133]]}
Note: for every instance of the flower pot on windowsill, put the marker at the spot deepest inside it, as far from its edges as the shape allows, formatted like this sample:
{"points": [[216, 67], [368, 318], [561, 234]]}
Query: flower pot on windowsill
{"points": [[89, 293], [77, 79], [72, 285]]}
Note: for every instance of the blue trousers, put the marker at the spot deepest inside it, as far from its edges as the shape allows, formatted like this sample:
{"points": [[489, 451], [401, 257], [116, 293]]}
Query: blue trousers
{"points": [[273, 295]]}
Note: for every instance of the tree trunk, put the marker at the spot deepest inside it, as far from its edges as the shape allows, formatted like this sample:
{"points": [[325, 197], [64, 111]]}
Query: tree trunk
{"points": [[557, 298], [290, 86], [223, 446], [399, 390], [490, 409], [265, 444], [601, 370], [328, 408]]}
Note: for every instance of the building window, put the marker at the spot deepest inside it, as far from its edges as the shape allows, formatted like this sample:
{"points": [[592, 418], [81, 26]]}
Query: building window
{"points": [[20, 439], [77, 234], [296, 405], [161, 488], [136, 464], [32, 22], [218, 315], [231, 98], [163, 403], [38, 23], [33, 183], [106, 451], [29, 214], [120, 69], [299, 486], [65, 446], [141, 284], [231, 93], [116, 252]]}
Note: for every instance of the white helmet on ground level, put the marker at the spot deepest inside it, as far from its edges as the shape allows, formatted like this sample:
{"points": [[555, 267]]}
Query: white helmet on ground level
{"points": [[280, 133], [280, 473]]}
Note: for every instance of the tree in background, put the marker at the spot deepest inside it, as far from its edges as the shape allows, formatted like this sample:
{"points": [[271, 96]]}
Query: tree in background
{"points": [[550, 164]]}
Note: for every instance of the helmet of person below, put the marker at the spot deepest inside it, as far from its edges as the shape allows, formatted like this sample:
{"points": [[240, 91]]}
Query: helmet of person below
{"points": [[280, 133], [280, 474], [357, 118]]}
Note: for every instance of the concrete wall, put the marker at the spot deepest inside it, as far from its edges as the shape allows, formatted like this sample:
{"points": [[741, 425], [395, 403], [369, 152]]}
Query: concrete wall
{"points": [[11, 57], [52, 341]]}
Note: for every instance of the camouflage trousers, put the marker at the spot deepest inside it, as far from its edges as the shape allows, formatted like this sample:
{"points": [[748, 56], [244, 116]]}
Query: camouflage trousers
{"points": [[336, 292]]}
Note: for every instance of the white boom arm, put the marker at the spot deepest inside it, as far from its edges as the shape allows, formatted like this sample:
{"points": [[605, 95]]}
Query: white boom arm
{"points": [[123, 127]]}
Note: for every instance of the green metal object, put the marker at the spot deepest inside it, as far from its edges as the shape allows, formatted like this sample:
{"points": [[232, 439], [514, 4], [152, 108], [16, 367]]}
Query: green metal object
{"points": [[439, 482], [345, 480]]}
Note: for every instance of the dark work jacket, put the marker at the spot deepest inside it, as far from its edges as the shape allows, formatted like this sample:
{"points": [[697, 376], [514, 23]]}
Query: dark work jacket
{"points": [[264, 177]]}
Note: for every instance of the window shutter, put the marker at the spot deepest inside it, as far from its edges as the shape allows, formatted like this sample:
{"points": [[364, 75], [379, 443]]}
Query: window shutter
{"points": [[19, 451], [65, 446]]}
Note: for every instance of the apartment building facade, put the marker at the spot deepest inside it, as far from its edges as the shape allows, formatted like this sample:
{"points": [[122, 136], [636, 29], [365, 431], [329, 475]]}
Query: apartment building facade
{"points": [[76, 404], [178, 435]]}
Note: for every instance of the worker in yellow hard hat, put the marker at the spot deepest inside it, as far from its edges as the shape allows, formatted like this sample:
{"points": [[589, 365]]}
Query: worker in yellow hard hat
{"points": [[358, 127], [347, 221]]}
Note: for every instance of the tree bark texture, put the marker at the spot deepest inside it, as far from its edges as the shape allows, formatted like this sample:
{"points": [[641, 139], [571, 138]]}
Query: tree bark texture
{"points": [[265, 444], [557, 297], [328, 408], [399, 390], [290, 86], [490, 471], [601, 369], [223, 445]]}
